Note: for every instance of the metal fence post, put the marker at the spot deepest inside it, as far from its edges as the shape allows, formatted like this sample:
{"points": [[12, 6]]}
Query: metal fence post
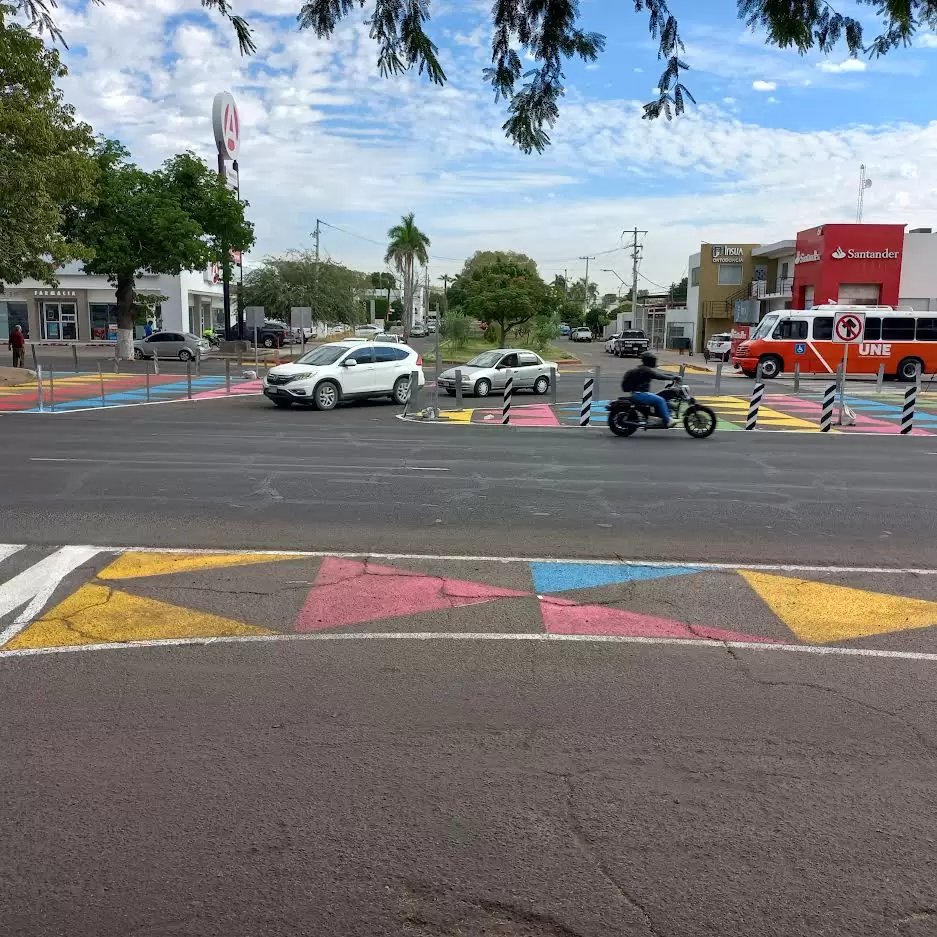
{"points": [[188, 379], [227, 375], [101, 380], [880, 378], [918, 376], [682, 371], [718, 388], [758, 391], [39, 386], [147, 381], [35, 357], [51, 390], [907, 411], [75, 358], [155, 361], [585, 409], [797, 376], [553, 382], [458, 388], [116, 361], [826, 413], [506, 404], [198, 362]]}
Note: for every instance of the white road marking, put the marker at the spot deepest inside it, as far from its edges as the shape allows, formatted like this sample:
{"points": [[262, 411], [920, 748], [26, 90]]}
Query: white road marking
{"points": [[8, 549], [419, 468], [819, 651], [36, 585]]}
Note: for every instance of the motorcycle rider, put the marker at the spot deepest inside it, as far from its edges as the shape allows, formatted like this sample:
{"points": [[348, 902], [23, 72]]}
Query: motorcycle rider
{"points": [[637, 382]]}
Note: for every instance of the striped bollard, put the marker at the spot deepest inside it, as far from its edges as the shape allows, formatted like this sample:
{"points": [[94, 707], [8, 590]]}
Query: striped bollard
{"points": [[826, 413], [758, 391], [585, 411], [506, 406], [907, 411]]}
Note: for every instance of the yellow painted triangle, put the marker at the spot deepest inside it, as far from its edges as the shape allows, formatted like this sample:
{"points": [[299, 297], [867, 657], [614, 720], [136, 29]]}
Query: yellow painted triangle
{"points": [[133, 565], [98, 614], [819, 613]]}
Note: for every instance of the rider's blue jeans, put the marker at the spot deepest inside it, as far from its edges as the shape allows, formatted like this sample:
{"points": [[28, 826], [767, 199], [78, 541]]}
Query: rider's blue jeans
{"points": [[655, 401]]}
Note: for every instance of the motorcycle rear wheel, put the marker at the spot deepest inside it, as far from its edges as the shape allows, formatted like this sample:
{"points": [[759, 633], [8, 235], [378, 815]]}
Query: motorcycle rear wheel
{"points": [[699, 422], [623, 422]]}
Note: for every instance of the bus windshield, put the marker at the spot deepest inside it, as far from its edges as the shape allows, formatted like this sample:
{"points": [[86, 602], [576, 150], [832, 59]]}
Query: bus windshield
{"points": [[764, 327]]}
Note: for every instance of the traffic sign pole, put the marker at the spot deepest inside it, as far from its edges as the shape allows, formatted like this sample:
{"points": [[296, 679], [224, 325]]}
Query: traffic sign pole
{"points": [[848, 329]]}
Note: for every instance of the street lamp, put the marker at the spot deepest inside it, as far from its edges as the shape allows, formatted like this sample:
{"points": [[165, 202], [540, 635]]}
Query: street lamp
{"points": [[615, 273]]}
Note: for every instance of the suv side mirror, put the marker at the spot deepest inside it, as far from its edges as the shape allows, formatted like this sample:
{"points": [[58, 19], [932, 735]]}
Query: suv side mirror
{"points": [[350, 363]]}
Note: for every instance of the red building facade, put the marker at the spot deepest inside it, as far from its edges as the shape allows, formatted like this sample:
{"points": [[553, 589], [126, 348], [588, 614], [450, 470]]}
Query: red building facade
{"points": [[848, 263]]}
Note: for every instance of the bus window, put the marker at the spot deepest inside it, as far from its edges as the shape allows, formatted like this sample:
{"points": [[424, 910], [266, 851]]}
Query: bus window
{"points": [[927, 330], [764, 327], [795, 329], [823, 328], [898, 329], [873, 329]]}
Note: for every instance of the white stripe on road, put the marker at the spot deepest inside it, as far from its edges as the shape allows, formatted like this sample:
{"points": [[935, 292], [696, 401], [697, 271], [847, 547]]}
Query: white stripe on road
{"points": [[8, 549], [818, 651], [36, 585]]}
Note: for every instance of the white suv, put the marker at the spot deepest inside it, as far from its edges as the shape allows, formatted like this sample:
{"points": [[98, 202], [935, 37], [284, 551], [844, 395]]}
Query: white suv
{"points": [[345, 371]]}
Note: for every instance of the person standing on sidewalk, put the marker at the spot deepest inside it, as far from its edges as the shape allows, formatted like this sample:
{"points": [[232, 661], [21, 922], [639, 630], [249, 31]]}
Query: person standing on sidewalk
{"points": [[17, 343]]}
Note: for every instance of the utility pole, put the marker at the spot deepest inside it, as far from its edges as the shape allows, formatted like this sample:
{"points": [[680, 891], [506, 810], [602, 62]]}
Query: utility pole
{"points": [[635, 258], [316, 277], [585, 301]]}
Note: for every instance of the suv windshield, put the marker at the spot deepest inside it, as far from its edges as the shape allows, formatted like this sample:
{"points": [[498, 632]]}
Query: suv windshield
{"points": [[487, 359], [767, 324], [633, 333], [325, 354]]}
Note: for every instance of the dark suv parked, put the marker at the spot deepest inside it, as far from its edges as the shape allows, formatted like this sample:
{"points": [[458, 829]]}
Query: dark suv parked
{"points": [[270, 334]]}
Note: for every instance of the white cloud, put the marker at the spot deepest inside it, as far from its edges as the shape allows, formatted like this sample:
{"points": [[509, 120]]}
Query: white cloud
{"points": [[926, 41], [760, 85], [773, 100], [639, 70], [847, 65], [325, 137]]}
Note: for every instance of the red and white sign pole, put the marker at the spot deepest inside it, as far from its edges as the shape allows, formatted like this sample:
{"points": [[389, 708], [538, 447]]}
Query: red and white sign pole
{"points": [[848, 329], [227, 126]]}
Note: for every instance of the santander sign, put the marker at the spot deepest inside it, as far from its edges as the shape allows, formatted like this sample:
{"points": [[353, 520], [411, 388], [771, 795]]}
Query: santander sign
{"points": [[840, 254]]}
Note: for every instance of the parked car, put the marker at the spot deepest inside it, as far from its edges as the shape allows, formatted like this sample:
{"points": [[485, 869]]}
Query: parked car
{"points": [[388, 337], [419, 330], [488, 371], [610, 343], [182, 345], [564, 329], [345, 370], [582, 334], [366, 331], [718, 347], [271, 334], [632, 343], [431, 328]]}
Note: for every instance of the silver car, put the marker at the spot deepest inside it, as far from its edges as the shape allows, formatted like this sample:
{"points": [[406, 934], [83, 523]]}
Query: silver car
{"points": [[488, 371], [182, 345]]}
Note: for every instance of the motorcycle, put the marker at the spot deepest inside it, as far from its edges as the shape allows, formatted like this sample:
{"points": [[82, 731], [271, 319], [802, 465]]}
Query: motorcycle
{"points": [[626, 416]]}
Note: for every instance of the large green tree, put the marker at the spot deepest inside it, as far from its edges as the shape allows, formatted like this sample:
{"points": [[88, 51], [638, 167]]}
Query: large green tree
{"points": [[407, 250], [331, 290], [507, 294], [166, 221], [384, 280], [45, 158]]}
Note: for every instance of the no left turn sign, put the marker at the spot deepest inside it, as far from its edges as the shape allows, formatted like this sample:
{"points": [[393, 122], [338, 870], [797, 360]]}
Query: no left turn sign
{"points": [[848, 327]]}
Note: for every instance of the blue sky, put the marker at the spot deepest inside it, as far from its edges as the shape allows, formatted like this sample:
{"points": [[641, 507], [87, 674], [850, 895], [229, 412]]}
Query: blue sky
{"points": [[774, 144]]}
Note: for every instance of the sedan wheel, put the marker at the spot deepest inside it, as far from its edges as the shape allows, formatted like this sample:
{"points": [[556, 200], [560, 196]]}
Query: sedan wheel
{"points": [[482, 387], [185, 355], [326, 396], [137, 354], [541, 385]]}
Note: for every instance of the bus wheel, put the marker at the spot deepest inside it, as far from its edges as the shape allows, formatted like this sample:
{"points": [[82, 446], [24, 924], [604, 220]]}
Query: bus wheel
{"points": [[771, 367], [908, 369]]}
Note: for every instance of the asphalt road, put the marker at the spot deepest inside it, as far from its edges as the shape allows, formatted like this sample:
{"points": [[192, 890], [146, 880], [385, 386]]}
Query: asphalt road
{"points": [[462, 788], [241, 473]]}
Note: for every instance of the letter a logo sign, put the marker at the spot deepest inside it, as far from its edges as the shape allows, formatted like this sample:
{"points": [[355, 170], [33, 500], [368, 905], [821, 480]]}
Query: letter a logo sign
{"points": [[232, 130], [227, 125]]}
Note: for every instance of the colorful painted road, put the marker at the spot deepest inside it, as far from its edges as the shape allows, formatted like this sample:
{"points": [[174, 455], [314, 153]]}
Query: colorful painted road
{"points": [[84, 597], [84, 391], [878, 414]]}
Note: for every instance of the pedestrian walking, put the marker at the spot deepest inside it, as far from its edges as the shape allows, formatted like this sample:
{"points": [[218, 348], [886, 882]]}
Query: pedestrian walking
{"points": [[17, 344]]}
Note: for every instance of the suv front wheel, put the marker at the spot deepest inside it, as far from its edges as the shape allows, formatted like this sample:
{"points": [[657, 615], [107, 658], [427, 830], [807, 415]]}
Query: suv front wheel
{"points": [[401, 391], [326, 396]]}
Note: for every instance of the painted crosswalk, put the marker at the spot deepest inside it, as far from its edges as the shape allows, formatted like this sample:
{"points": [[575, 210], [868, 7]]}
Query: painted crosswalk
{"points": [[80, 597]]}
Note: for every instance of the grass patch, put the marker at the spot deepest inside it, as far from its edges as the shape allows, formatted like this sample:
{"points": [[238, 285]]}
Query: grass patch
{"points": [[452, 355]]}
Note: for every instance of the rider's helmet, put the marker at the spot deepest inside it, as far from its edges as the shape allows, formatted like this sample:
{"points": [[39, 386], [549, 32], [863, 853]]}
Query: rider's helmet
{"points": [[649, 360]]}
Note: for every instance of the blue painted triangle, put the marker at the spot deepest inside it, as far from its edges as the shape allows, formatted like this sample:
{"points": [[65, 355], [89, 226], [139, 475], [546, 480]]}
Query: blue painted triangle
{"points": [[561, 577]]}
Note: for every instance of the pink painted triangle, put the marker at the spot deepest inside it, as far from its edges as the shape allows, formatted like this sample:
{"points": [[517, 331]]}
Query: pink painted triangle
{"points": [[351, 592], [561, 616]]}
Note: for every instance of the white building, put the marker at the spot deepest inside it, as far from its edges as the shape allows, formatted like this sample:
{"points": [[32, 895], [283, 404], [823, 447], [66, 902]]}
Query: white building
{"points": [[82, 308]]}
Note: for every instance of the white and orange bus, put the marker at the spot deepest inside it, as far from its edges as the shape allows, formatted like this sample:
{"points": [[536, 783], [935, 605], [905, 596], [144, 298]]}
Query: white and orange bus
{"points": [[904, 340]]}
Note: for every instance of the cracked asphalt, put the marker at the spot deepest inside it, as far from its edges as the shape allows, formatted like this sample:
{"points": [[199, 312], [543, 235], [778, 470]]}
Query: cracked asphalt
{"points": [[461, 788]]}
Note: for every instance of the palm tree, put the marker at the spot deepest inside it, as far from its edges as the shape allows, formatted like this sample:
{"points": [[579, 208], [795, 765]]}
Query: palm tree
{"points": [[406, 250]]}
